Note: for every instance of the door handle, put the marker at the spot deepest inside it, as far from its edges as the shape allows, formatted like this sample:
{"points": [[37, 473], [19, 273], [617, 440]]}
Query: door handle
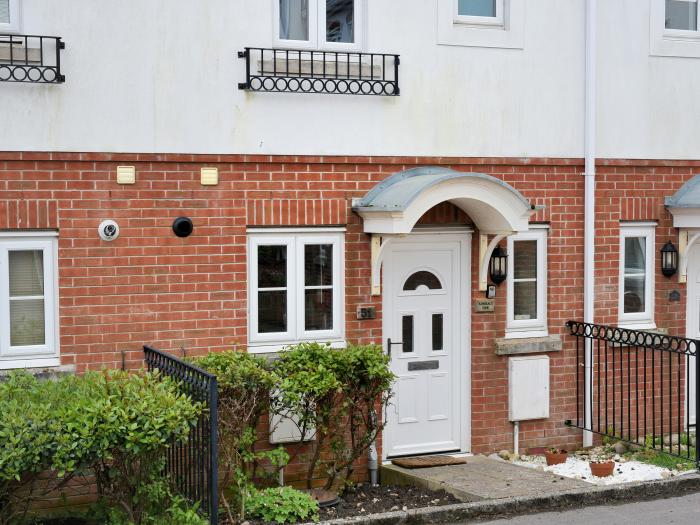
{"points": [[389, 343]]}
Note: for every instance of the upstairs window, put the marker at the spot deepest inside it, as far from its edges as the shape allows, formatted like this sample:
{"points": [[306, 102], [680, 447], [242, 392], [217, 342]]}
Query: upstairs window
{"points": [[488, 12], [318, 24], [9, 16], [295, 288], [636, 307], [681, 15]]}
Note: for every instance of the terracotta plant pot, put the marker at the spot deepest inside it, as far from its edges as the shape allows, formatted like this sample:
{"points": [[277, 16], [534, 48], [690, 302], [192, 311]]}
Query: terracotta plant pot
{"points": [[556, 458], [602, 470]]}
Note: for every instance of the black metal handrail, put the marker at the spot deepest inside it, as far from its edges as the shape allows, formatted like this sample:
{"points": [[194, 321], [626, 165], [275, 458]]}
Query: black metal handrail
{"points": [[299, 71], [638, 387], [31, 58], [192, 465]]}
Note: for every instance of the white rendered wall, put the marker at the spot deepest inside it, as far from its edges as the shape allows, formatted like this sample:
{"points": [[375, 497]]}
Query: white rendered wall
{"points": [[161, 76]]}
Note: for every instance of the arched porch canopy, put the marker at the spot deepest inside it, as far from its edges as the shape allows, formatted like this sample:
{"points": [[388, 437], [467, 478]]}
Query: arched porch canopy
{"points": [[684, 206], [395, 205]]}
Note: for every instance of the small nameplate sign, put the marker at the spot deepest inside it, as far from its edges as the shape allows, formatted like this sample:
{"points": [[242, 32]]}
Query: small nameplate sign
{"points": [[423, 365], [484, 305]]}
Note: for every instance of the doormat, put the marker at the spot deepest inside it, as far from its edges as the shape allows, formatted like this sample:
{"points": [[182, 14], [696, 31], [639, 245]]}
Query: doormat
{"points": [[428, 461]]}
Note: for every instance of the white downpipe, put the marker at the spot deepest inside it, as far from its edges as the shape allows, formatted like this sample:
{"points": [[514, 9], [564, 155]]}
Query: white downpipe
{"points": [[589, 213], [516, 437]]}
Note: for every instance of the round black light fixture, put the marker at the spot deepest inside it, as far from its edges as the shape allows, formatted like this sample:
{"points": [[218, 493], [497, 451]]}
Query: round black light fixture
{"points": [[498, 265], [669, 259], [182, 226]]}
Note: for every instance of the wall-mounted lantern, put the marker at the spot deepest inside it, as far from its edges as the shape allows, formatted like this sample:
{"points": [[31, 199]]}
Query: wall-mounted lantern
{"points": [[498, 265], [669, 259]]}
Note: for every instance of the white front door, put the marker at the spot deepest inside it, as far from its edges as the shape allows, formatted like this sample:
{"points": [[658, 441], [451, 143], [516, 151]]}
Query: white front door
{"points": [[426, 285], [693, 324]]}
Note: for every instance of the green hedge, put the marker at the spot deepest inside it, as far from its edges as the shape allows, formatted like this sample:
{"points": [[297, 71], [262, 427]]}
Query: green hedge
{"points": [[115, 425]]}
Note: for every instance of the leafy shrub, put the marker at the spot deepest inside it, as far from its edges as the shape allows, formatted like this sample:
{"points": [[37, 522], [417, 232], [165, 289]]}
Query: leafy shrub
{"points": [[114, 424], [244, 385], [282, 505]]}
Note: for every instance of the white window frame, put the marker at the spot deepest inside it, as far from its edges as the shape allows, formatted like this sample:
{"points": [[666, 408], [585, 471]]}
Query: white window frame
{"points": [[498, 20], [641, 320], [34, 356], [671, 42], [295, 240], [15, 18], [317, 29], [517, 328]]}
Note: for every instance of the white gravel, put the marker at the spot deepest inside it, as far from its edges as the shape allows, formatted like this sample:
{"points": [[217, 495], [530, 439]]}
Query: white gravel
{"points": [[578, 469]]}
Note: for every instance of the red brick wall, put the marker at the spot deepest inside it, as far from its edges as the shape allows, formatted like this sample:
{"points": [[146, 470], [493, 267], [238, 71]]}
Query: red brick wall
{"points": [[152, 287]]}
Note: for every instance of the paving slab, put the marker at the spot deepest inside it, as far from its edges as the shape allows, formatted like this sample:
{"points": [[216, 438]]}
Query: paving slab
{"points": [[483, 478]]}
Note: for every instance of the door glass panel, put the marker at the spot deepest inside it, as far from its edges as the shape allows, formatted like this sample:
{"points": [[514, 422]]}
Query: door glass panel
{"points": [[437, 332], [407, 333], [477, 8], [682, 14], [318, 309], [340, 21], [422, 278], [294, 19], [272, 266]]}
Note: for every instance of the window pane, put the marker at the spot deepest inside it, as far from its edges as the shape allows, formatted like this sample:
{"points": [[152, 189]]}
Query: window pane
{"points": [[27, 322], [272, 266], [340, 20], [26, 273], [525, 300], [272, 312], [635, 255], [318, 264], [477, 8], [525, 259], [437, 332], [634, 294], [318, 309], [682, 14], [422, 278], [4, 11], [294, 19], [407, 333]]}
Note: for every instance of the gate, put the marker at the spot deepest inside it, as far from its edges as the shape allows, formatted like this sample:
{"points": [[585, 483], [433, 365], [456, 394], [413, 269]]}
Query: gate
{"points": [[638, 387], [192, 465]]}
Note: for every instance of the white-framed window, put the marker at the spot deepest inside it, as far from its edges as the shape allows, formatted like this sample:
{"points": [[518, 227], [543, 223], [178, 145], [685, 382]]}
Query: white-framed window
{"points": [[636, 282], [479, 12], [332, 25], [675, 28], [526, 284], [9, 16], [28, 301], [295, 287], [481, 23]]}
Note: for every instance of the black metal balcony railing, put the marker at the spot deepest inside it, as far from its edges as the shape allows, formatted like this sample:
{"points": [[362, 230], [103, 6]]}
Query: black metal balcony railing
{"points": [[31, 58], [295, 71]]}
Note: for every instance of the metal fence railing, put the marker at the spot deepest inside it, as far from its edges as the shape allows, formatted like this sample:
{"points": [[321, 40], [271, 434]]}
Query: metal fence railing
{"points": [[192, 465], [31, 58], [341, 73], [639, 388]]}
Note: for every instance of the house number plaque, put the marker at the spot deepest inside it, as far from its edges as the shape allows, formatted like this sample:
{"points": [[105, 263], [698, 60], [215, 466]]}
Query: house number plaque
{"points": [[484, 305]]}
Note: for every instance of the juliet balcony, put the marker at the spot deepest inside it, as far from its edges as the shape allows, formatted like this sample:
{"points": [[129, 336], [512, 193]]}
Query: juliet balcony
{"points": [[331, 72], [31, 58]]}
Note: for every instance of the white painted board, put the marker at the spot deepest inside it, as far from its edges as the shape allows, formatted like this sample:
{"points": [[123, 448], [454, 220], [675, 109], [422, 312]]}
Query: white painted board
{"points": [[528, 388]]}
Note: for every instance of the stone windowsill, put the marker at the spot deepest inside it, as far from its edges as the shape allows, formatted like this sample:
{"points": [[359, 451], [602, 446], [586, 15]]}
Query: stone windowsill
{"points": [[49, 372], [530, 345]]}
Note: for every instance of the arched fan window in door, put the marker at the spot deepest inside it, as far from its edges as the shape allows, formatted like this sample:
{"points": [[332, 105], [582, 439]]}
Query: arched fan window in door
{"points": [[422, 278]]}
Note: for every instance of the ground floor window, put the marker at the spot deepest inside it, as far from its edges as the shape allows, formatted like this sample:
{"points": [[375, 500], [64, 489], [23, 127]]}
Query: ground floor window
{"points": [[295, 284], [28, 301], [527, 284], [636, 295]]}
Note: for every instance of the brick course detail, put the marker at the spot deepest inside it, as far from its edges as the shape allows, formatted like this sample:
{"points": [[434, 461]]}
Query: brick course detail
{"points": [[189, 295]]}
